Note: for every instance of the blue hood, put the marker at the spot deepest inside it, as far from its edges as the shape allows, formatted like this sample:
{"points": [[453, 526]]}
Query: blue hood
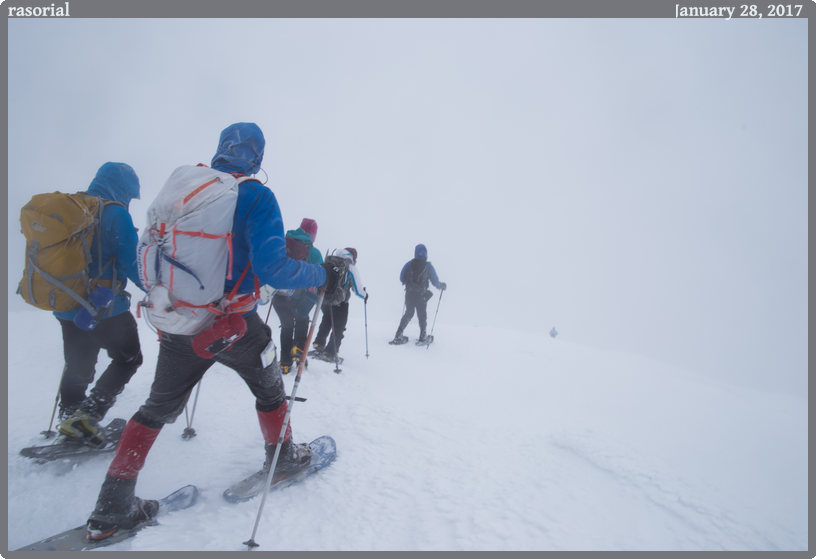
{"points": [[240, 149], [117, 182], [421, 252]]}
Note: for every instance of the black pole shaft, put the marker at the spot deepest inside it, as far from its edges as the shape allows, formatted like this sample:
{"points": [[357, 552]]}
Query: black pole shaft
{"points": [[365, 310], [435, 314]]}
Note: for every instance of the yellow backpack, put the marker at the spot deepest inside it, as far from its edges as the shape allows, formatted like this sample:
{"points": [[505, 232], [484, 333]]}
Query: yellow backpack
{"points": [[59, 230]]}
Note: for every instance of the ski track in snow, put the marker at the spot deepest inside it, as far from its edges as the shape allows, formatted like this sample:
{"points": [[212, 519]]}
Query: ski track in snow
{"points": [[440, 448]]}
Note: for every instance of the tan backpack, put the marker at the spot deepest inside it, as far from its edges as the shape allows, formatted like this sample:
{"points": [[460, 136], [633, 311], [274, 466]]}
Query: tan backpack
{"points": [[59, 230]]}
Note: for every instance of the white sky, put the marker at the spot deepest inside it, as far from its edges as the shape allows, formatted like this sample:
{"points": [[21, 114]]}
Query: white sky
{"points": [[639, 184]]}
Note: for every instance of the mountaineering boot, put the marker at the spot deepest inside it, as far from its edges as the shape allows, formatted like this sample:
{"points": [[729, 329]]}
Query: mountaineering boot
{"points": [[67, 411], [297, 353], [422, 336], [119, 509], [98, 403], [293, 458], [399, 339], [326, 356], [83, 427]]}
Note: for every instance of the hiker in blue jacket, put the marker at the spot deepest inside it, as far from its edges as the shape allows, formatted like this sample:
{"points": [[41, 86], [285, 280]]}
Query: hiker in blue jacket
{"points": [[416, 275], [117, 333], [258, 240]]}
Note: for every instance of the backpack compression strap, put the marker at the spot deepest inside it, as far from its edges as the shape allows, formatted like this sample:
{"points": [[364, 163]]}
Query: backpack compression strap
{"points": [[58, 283]]}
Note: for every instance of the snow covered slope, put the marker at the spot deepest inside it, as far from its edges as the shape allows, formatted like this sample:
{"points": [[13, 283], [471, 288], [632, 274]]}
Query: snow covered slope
{"points": [[487, 440]]}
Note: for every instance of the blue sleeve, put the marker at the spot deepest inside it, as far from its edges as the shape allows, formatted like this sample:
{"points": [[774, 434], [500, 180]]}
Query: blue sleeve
{"points": [[433, 276], [259, 240], [122, 239], [404, 269]]}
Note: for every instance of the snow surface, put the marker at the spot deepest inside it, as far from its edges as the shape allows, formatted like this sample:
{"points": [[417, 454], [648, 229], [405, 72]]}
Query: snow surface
{"points": [[489, 439]]}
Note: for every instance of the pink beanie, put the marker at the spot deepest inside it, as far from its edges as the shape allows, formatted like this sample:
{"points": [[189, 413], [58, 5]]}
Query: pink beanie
{"points": [[310, 226]]}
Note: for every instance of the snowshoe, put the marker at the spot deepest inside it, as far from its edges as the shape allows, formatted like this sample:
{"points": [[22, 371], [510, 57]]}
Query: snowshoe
{"points": [[399, 340], [329, 358], [425, 341], [64, 448], [76, 539], [323, 451]]}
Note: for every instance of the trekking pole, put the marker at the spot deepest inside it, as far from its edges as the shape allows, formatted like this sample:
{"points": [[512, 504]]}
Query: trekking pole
{"points": [[365, 312], [49, 433], [337, 368], [269, 312], [437, 312], [292, 399], [189, 432]]}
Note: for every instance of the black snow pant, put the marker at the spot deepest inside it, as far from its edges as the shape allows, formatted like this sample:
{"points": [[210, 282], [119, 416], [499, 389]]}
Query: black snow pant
{"points": [[294, 328], [338, 314], [179, 369], [119, 336], [414, 302]]}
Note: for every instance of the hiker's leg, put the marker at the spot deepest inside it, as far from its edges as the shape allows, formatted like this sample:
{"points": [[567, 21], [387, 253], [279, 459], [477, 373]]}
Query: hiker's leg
{"points": [[340, 318], [81, 352], [265, 383], [118, 335], [287, 323]]}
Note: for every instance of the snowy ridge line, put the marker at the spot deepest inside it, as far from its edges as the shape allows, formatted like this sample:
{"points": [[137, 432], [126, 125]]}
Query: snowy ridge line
{"points": [[674, 495]]}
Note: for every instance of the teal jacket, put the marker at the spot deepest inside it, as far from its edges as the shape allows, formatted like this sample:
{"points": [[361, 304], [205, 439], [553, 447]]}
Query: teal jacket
{"points": [[314, 257]]}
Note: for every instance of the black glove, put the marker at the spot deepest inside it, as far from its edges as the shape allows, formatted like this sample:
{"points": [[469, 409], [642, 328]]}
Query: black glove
{"points": [[443, 286], [332, 278]]}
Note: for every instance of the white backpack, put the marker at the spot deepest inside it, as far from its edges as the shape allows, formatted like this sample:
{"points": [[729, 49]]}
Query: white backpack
{"points": [[185, 254]]}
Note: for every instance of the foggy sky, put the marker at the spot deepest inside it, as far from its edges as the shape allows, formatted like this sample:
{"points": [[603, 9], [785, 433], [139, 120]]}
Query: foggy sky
{"points": [[639, 184]]}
